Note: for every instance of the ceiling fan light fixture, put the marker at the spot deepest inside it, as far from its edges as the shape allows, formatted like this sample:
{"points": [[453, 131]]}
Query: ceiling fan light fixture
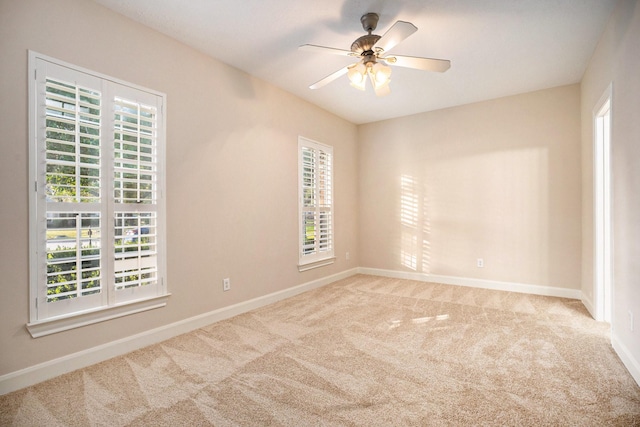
{"points": [[380, 77], [380, 73], [358, 75]]}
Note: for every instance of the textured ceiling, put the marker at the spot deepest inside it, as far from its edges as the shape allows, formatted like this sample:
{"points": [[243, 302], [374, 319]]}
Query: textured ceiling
{"points": [[496, 47]]}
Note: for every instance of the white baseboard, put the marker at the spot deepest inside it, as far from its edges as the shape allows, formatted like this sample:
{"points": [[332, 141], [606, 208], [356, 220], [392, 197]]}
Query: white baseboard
{"points": [[589, 305], [631, 363], [477, 283], [50, 369]]}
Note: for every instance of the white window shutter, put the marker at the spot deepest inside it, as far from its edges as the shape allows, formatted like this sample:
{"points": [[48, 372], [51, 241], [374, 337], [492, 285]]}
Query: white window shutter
{"points": [[315, 202], [97, 211]]}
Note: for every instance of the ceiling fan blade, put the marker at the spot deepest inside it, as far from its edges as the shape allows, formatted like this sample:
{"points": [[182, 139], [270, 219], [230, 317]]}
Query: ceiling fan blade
{"points": [[329, 78], [323, 49], [398, 32], [426, 64]]}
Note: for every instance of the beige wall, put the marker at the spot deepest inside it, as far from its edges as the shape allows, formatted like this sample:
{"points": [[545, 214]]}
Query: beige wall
{"points": [[498, 180], [616, 61], [231, 171]]}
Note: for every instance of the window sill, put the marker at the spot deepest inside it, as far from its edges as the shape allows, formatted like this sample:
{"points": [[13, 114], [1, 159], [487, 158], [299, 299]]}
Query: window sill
{"points": [[51, 326], [316, 264]]}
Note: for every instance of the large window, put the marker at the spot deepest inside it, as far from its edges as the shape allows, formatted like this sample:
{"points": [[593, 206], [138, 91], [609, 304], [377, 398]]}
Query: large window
{"points": [[315, 204], [97, 197]]}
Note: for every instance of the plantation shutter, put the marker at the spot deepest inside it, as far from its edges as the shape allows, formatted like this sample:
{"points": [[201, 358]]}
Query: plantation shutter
{"points": [[71, 213], [316, 202], [136, 197], [97, 209]]}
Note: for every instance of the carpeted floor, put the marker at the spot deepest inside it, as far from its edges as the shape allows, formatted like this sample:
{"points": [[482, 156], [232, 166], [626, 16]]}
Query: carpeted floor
{"points": [[364, 351]]}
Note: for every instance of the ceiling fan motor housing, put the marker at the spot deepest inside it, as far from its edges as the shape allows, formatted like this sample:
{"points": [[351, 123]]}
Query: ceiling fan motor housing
{"points": [[364, 44]]}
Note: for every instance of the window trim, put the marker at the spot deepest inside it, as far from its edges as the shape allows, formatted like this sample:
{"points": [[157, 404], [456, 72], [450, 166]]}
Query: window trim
{"points": [[40, 328], [307, 262], [110, 309]]}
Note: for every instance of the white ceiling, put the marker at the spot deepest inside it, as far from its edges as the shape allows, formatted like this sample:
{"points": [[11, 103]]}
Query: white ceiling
{"points": [[496, 47]]}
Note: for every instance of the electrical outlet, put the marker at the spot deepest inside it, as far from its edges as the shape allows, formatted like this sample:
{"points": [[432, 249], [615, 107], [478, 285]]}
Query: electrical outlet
{"points": [[226, 284], [480, 263], [347, 256]]}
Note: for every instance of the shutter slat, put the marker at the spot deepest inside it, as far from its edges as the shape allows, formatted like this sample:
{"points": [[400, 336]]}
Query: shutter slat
{"points": [[72, 150], [136, 161], [73, 262], [136, 243]]}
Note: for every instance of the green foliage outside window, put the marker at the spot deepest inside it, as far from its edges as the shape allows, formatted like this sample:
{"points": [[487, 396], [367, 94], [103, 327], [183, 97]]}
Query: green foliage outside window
{"points": [[68, 278]]}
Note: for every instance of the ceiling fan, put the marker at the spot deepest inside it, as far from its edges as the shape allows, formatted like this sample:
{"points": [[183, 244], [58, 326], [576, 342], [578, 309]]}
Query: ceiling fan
{"points": [[372, 49]]}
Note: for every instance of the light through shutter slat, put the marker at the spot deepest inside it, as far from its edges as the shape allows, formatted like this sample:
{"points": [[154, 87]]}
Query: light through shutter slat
{"points": [[73, 248], [136, 249], [136, 161], [72, 149]]}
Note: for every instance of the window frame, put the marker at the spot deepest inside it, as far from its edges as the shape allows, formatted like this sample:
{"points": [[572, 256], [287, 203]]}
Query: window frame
{"points": [[70, 313], [317, 258]]}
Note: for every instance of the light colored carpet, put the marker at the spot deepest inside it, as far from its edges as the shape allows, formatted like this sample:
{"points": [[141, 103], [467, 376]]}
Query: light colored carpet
{"points": [[364, 351]]}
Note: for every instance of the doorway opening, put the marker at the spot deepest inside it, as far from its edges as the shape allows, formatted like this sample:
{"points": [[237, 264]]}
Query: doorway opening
{"points": [[602, 208]]}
